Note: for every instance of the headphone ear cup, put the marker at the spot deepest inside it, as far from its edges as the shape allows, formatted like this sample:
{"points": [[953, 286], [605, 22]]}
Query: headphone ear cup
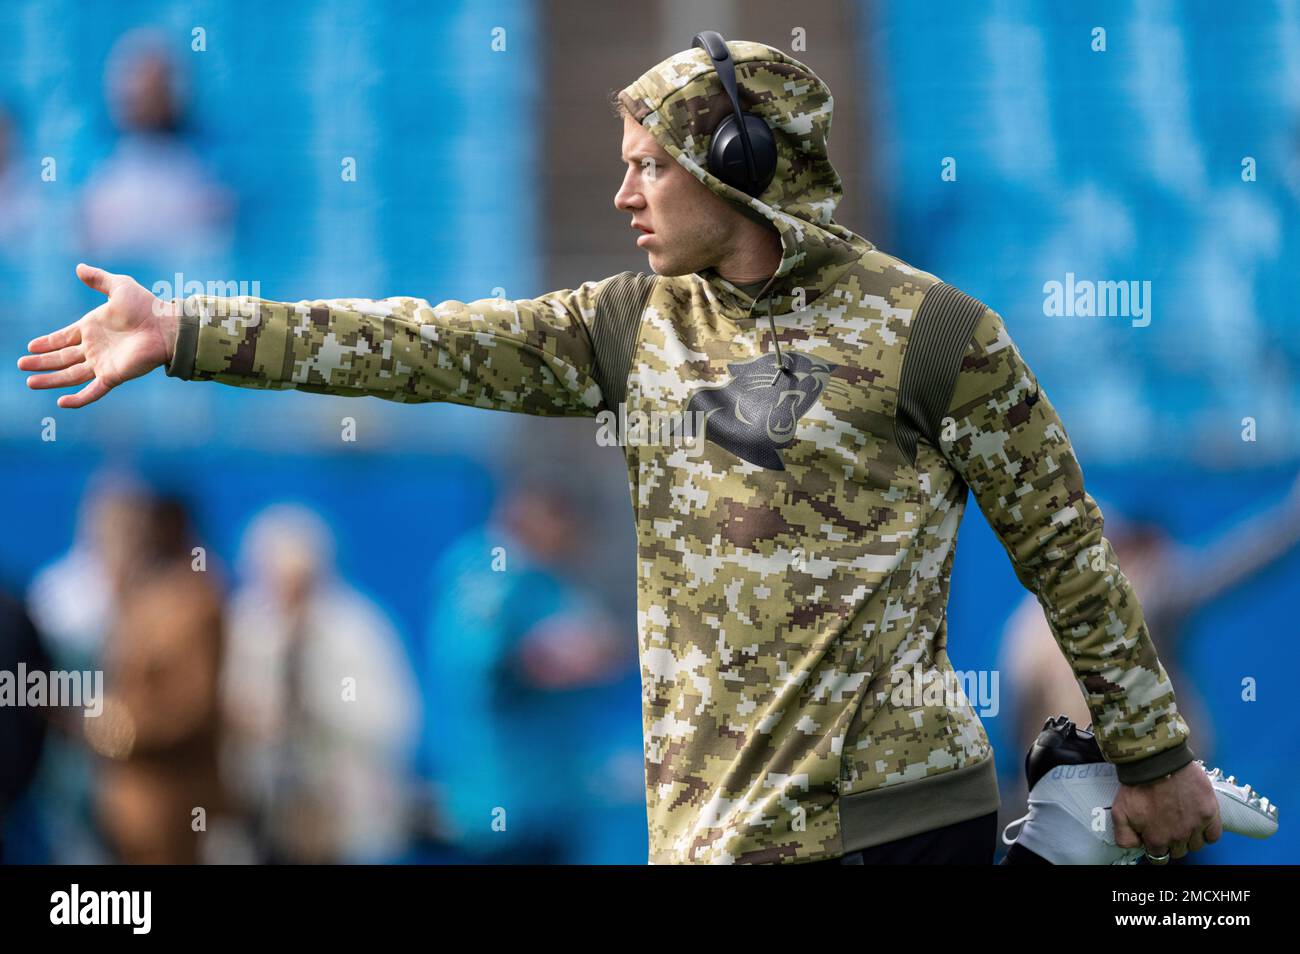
{"points": [[727, 154]]}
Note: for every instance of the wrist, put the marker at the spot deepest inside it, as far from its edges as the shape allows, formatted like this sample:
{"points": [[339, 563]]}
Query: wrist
{"points": [[169, 328], [1155, 768], [180, 332]]}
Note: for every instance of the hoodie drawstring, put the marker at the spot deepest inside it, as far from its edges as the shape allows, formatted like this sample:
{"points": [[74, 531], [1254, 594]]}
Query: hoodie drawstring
{"points": [[776, 344]]}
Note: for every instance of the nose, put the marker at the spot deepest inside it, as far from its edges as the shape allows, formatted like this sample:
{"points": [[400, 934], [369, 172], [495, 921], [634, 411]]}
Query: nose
{"points": [[628, 198]]}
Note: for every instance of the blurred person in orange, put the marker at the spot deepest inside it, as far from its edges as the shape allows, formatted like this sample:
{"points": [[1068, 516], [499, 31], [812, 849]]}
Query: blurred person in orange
{"points": [[158, 787]]}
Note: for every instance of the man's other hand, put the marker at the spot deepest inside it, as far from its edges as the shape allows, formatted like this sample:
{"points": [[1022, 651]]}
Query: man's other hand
{"points": [[1172, 815], [127, 336]]}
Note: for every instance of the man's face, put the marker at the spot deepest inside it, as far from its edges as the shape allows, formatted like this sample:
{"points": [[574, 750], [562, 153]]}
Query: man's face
{"points": [[681, 224]]}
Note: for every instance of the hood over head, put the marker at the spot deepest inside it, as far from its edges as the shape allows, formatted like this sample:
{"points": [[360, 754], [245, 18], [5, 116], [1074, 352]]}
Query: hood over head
{"points": [[681, 101]]}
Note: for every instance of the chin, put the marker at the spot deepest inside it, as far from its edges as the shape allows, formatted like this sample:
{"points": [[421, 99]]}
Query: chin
{"points": [[670, 268]]}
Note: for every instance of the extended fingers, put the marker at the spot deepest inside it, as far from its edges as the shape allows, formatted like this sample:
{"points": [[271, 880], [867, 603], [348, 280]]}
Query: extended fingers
{"points": [[62, 338], [77, 374], [89, 394], [96, 278], [52, 361]]}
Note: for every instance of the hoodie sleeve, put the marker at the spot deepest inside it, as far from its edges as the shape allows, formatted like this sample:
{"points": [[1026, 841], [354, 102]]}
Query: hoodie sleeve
{"points": [[1005, 439], [533, 356]]}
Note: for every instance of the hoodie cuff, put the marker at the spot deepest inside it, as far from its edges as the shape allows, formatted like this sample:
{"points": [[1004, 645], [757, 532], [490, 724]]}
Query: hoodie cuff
{"points": [[1155, 766], [187, 341]]}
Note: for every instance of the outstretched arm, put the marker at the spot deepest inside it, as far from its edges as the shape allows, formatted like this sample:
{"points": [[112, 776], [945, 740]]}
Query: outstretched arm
{"points": [[529, 355]]}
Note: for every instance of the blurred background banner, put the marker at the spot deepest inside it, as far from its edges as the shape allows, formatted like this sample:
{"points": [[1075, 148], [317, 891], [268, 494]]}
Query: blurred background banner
{"points": [[1121, 181]]}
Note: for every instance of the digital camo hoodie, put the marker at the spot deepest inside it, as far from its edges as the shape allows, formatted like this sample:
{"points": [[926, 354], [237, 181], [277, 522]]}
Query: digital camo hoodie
{"points": [[793, 566]]}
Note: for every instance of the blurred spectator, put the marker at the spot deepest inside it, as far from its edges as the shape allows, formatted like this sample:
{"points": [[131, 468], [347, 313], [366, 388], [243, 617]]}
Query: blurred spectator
{"points": [[17, 192], [73, 599], [22, 728], [160, 728], [322, 707], [73, 602], [152, 201], [521, 664]]}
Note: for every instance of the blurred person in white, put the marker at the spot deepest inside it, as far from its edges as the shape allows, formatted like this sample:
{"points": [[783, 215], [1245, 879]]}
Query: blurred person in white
{"points": [[322, 709], [73, 601], [153, 200]]}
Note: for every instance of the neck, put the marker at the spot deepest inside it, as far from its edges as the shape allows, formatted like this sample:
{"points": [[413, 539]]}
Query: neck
{"points": [[754, 255]]}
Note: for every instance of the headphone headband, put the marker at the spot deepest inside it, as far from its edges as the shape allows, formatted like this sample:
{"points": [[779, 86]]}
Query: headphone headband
{"points": [[711, 42]]}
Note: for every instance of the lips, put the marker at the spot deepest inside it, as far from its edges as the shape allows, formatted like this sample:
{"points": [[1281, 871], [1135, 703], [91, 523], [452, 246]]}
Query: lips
{"points": [[642, 228]]}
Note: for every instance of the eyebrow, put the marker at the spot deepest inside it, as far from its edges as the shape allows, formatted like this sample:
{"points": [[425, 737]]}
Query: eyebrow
{"points": [[639, 154]]}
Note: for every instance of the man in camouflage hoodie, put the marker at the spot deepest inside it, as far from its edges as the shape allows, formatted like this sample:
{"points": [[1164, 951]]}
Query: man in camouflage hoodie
{"points": [[793, 564]]}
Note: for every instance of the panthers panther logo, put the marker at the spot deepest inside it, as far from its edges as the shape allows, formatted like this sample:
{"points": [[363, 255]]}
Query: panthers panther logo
{"points": [[754, 416]]}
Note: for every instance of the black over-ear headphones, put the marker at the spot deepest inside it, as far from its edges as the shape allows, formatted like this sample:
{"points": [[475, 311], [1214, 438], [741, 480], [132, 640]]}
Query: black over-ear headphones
{"points": [[742, 152]]}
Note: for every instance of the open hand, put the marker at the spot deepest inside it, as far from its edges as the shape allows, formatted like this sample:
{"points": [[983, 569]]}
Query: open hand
{"points": [[127, 336]]}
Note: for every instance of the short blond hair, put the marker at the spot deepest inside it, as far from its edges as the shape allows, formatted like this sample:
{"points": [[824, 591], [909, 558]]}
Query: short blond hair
{"points": [[616, 105]]}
